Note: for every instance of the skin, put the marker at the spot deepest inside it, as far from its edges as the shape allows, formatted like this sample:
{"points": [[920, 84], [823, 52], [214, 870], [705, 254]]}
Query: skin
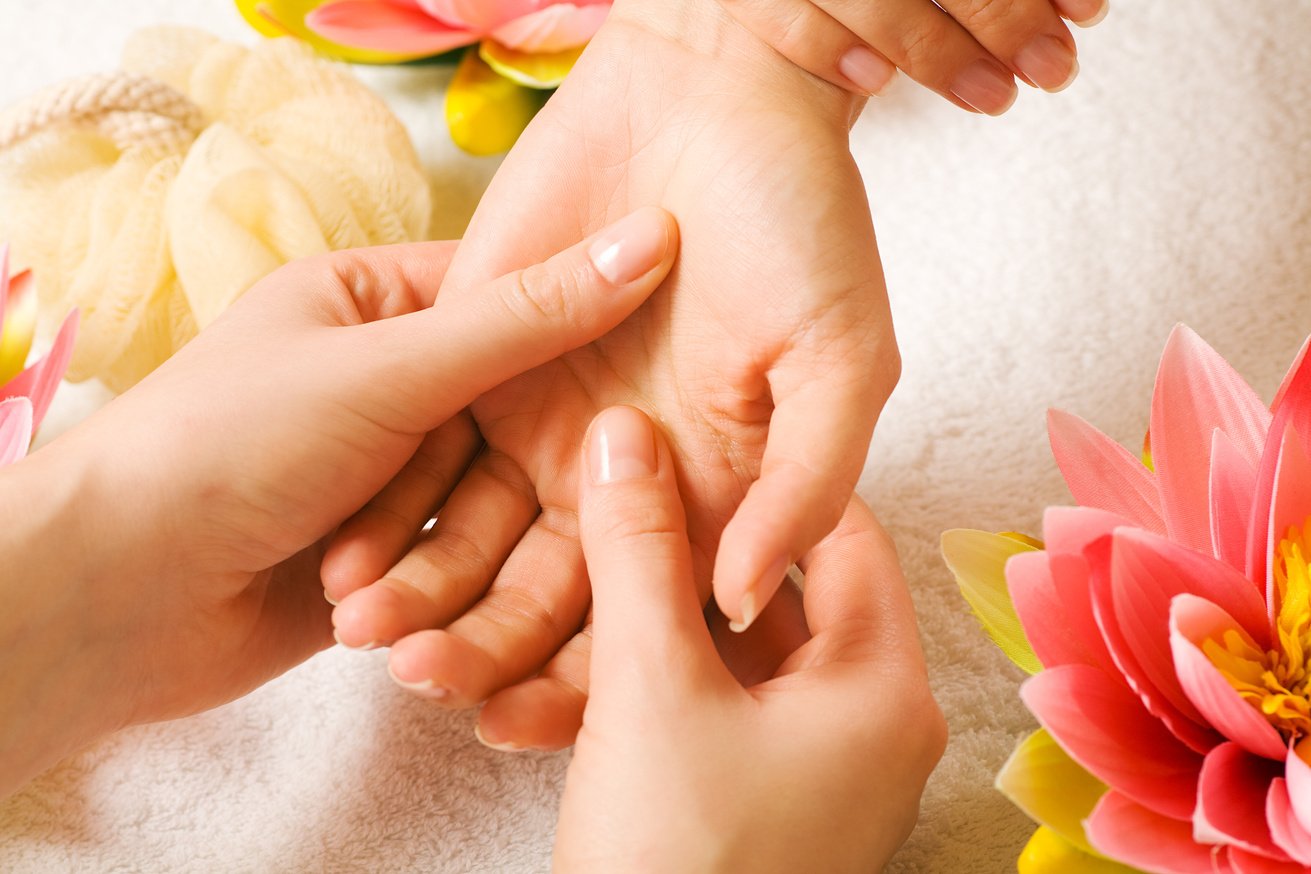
{"points": [[774, 328], [162, 558], [806, 748], [859, 45]]}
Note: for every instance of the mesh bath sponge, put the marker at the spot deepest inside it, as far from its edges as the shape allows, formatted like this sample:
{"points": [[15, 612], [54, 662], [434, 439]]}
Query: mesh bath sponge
{"points": [[153, 197]]}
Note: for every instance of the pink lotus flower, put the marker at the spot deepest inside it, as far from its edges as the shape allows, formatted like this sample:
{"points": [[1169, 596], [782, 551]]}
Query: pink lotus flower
{"points": [[1168, 625], [25, 395], [429, 27]]}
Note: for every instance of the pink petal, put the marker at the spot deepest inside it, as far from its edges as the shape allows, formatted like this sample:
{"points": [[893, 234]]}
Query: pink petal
{"points": [[1106, 730], [40, 380], [1135, 575], [1298, 774], [1071, 529], [1196, 392], [1292, 409], [1053, 637], [387, 26], [15, 429], [1231, 800], [554, 29], [1285, 828], [1102, 473], [482, 16], [1291, 376], [1128, 832], [1251, 863], [1232, 491], [1290, 504], [1193, 620], [1058, 631]]}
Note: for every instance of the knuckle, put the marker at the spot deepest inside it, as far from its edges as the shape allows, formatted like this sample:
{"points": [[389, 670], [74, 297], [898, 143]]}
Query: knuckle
{"points": [[988, 13], [927, 43], [638, 526], [516, 609], [541, 295]]}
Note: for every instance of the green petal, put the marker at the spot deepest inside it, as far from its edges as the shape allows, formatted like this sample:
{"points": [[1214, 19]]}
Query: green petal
{"points": [[485, 111], [287, 18], [1049, 853], [1041, 779], [978, 560], [530, 70]]}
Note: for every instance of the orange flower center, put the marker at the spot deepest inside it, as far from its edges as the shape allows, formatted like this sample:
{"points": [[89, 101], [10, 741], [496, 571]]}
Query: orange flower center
{"points": [[1276, 681]]}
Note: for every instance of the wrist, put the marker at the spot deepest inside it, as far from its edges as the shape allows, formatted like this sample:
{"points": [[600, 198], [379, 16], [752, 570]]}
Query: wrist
{"points": [[61, 687], [707, 28]]}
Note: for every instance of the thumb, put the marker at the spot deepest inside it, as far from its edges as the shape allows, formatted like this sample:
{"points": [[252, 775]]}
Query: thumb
{"points": [[648, 630], [432, 363]]}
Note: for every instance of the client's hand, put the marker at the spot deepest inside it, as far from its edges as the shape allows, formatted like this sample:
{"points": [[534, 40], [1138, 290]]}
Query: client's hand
{"points": [[163, 557], [767, 357], [678, 767]]}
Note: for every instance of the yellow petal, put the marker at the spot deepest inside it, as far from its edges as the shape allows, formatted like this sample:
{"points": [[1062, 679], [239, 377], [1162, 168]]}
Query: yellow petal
{"points": [[1041, 779], [530, 69], [287, 18], [978, 560], [1049, 853], [485, 111], [19, 324]]}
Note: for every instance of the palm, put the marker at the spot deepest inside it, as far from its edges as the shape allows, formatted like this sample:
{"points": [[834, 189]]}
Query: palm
{"points": [[777, 296]]}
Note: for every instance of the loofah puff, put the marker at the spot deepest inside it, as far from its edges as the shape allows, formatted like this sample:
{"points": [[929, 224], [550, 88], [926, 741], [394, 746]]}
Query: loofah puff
{"points": [[154, 197]]}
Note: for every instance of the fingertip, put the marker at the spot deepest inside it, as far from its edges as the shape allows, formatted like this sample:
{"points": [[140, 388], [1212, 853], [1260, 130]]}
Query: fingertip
{"points": [[540, 714], [638, 245]]}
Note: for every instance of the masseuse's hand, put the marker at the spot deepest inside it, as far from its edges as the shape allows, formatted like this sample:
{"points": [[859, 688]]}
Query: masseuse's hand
{"points": [[767, 356], [163, 557], [680, 766]]}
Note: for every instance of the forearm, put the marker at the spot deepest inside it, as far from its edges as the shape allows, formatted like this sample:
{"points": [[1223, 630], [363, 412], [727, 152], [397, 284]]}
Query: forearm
{"points": [[59, 689]]}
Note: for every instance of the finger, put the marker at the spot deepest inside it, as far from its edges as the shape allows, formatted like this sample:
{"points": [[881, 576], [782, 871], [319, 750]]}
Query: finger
{"points": [[1084, 13], [377, 536], [448, 569], [649, 628], [818, 437], [538, 601], [932, 48], [546, 712], [809, 37], [857, 603], [436, 361], [1027, 35], [755, 655]]}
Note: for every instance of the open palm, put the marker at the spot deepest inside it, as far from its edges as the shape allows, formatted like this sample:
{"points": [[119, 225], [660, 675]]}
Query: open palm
{"points": [[766, 357]]}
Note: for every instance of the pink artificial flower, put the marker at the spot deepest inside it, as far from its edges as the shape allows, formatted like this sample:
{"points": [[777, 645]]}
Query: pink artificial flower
{"points": [[25, 395], [429, 27], [1171, 617]]}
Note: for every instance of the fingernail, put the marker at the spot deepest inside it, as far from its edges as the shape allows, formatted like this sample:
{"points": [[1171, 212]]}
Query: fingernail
{"points": [[986, 87], [363, 647], [769, 580], [329, 599], [622, 446], [869, 72], [427, 686], [504, 747], [1048, 63], [1097, 16], [748, 608], [631, 247]]}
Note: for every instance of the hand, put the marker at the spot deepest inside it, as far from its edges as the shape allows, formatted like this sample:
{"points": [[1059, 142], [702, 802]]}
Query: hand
{"points": [[680, 768], [767, 356], [163, 557], [966, 50]]}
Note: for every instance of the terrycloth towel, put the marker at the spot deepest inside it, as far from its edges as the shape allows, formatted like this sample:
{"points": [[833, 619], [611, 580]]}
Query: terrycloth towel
{"points": [[1036, 260]]}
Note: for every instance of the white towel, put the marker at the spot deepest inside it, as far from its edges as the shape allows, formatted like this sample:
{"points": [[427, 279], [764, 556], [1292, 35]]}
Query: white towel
{"points": [[1035, 260]]}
